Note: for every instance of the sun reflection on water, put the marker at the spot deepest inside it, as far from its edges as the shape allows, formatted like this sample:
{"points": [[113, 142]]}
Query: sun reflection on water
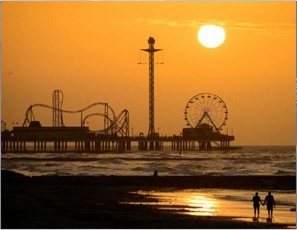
{"points": [[201, 204], [183, 202]]}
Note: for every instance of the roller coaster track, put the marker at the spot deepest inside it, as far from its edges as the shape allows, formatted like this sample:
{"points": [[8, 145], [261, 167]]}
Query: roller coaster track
{"points": [[112, 124], [123, 123], [108, 130]]}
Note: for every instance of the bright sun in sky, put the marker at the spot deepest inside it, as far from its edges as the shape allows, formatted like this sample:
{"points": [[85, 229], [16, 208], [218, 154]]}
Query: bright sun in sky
{"points": [[211, 36]]}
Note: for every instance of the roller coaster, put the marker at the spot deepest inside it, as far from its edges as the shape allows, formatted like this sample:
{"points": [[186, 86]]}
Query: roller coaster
{"points": [[112, 124], [205, 114]]}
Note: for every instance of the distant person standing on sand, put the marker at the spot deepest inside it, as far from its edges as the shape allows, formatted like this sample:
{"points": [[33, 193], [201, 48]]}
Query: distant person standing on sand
{"points": [[269, 201], [257, 201]]}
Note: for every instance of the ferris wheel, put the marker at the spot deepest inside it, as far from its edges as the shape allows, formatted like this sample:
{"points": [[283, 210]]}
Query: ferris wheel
{"points": [[206, 108]]}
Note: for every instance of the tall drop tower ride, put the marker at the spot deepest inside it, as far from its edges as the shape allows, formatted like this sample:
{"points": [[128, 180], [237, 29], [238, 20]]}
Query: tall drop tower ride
{"points": [[151, 50]]}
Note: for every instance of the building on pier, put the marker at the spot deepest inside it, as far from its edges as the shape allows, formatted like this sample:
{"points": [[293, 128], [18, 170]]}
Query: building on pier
{"points": [[60, 139], [80, 139]]}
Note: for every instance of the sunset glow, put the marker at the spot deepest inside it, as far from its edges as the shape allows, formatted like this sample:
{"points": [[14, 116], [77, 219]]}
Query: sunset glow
{"points": [[90, 51]]}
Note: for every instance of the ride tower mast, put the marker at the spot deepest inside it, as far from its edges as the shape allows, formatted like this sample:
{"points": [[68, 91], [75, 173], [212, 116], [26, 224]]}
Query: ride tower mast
{"points": [[151, 50]]}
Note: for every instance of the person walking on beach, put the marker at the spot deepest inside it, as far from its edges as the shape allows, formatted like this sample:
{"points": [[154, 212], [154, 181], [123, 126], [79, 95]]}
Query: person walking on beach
{"points": [[256, 203], [269, 201]]}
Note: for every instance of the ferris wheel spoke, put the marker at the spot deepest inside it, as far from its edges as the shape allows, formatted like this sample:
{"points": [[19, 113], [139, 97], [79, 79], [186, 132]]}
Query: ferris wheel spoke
{"points": [[211, 104], [209, 101], [201, 104], [205, 102], [197, 106], [216, 116], [218, 108], [214, 105], [194, 119]]}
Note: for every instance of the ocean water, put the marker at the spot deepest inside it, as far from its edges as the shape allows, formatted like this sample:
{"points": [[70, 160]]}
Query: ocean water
{"points": [[250, 160]]}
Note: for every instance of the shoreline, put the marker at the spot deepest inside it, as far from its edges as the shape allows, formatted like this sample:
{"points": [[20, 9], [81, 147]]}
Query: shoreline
{"points": [[96, 202], [229, 182]]}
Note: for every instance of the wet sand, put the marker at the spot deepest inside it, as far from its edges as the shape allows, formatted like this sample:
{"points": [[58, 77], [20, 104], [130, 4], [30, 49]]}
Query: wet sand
{"points": [[235, 203], [107, 201]]}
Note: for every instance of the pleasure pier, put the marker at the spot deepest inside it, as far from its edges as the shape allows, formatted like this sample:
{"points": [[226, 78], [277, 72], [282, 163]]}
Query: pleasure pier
{"points": [[205, 115]]}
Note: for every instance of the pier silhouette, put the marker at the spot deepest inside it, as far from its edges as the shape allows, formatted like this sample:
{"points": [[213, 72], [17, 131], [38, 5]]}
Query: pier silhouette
{"points": [[205, 115]]}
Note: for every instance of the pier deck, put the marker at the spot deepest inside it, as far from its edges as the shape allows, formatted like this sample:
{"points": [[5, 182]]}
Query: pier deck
{"points": [[109, 143]]}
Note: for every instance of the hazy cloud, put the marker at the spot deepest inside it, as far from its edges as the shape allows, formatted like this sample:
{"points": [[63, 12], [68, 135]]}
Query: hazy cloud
{"points": [[231, 25]]}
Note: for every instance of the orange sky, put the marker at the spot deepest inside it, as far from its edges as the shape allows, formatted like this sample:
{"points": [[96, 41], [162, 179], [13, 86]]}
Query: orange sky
{"points": [[90, 50]]}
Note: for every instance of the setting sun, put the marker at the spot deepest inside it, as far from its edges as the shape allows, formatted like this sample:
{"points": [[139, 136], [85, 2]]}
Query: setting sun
{"points": [[211, 36]]}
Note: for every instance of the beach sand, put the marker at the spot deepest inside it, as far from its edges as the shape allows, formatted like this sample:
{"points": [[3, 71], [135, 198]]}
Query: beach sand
{"points": [[114, 201]]}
